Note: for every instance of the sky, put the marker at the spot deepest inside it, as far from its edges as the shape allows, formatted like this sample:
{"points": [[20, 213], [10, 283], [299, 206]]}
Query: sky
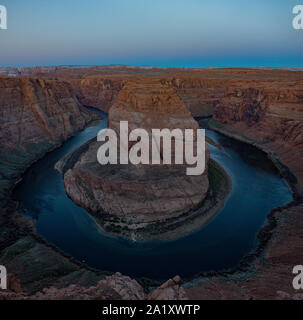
{"points": [[165, 33]]}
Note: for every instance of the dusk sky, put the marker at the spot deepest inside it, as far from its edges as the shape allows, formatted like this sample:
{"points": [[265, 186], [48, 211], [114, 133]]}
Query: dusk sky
{"points": [[181, 33]]}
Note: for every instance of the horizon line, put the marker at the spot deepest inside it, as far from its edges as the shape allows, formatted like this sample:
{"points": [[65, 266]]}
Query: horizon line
{"points": [[148, 66]]}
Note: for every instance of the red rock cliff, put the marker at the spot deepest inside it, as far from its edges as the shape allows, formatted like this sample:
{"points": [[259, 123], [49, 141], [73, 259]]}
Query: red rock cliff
{"points": [[268, 114], [35, 115], [97, 91]]}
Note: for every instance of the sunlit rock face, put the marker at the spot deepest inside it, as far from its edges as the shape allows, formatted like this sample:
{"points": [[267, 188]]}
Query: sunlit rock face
{"points": [[137, 194]]}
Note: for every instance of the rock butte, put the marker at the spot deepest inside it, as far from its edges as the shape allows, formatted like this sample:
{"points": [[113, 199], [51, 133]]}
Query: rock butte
{"points": [[140, 194], [262, 107]]}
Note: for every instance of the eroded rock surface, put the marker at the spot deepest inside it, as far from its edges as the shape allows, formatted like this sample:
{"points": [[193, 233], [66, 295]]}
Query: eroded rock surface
{"points": [[35, 116], [137, 194], [114, 287], [268, 115], [170, 290]]}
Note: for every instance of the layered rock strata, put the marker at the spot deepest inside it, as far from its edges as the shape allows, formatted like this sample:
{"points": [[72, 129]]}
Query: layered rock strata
{"points": [[268, 116], [132, 196], [35, 116], [115, 287]]}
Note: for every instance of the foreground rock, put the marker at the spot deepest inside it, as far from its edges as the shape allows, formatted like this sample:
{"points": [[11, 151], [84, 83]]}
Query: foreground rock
{"points": [[170, 290], [115, 287], [131, 197]]}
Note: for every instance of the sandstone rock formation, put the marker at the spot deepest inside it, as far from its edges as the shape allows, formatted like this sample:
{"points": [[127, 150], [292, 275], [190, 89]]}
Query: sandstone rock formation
{"points": [[97, 92], [114, 287], [201, 96], [35, 116], [137, 194], [268, 115], [170, 290]]}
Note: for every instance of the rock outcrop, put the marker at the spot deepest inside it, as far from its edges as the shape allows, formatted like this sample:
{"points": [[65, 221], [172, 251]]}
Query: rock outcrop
{"points": [[131, 197], [114, 287], [170, 290]]}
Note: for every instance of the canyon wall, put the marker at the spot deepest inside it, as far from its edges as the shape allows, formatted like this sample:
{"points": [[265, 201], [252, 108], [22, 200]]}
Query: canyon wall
{"points": [[201, 96], [97, 91], [35, 116], [269, 115]]}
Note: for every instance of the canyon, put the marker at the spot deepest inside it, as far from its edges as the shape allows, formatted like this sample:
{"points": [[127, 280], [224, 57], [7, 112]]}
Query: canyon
{"points": [[41, 109]]}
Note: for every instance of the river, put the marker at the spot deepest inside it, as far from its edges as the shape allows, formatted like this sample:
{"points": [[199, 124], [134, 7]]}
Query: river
{"points": [[256, 189]]}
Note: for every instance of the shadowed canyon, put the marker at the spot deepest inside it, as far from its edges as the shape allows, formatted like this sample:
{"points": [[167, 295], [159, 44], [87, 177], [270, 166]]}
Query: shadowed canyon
{"points": [[42, 108]]}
